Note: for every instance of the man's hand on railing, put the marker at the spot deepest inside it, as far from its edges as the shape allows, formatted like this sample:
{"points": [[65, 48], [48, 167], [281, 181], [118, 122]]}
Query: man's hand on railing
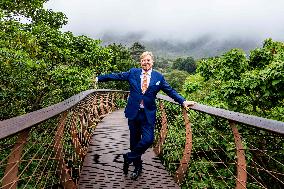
{"points": [[187, 104]]}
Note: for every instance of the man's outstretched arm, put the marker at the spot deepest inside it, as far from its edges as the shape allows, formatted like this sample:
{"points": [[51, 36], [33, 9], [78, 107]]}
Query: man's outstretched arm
{"points": [[122, 76]]}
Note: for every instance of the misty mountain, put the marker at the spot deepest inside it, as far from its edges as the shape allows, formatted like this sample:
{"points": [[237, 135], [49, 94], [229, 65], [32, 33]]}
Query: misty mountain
{"points": [[206, 46]]}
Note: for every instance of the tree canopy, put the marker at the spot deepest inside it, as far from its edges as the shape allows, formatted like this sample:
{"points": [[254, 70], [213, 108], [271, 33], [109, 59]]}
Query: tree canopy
{"points": [[42, 65], [252, 84], [136, 50], [186, 64]]}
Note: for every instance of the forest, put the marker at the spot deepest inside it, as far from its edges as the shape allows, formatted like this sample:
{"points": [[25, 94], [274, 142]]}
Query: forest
{"points": [[41, 66]]}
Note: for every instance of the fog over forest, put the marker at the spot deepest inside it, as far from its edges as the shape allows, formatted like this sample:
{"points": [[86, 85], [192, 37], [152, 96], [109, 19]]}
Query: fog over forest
{"points": [[205, 46], [176, 28]]}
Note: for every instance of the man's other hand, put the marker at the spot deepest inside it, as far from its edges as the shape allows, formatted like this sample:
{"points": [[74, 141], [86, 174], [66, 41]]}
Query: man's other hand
{"points": [[186, 104]]}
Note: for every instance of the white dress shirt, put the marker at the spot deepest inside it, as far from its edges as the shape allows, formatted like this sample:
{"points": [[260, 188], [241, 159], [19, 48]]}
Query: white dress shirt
{"points": [[148, 77], [148, 81]]}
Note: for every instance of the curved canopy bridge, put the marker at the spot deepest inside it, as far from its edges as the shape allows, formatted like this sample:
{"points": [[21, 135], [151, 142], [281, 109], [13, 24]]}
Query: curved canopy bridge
{"points": [[102, 167], [79, 143]]}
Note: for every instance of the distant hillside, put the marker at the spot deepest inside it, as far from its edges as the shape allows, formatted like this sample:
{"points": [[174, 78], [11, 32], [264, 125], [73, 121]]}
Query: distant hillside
{"points": [[198, 49], [202, 47]]}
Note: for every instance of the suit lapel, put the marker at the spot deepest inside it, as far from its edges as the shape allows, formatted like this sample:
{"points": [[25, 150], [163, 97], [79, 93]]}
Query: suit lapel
{"points": [[138, 80], [152, 80]]}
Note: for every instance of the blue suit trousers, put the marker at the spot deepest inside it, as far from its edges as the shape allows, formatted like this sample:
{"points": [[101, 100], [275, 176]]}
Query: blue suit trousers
{"points": [[141, 136]]}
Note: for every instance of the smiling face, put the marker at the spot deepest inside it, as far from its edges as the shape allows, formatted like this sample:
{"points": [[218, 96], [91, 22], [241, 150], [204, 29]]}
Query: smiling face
{"points": [[146, 62]]}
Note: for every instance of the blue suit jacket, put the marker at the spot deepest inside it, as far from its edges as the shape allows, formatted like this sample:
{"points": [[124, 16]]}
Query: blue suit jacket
{"points": [[157, 83]]}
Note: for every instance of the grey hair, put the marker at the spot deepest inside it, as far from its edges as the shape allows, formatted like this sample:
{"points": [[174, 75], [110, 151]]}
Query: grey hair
{"points": [[147, 53]]}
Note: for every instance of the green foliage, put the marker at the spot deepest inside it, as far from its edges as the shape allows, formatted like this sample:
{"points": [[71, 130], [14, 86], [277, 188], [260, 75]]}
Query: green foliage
{"points": [[36, 65], [229, 66], [259, 89], [162, 63], [212, 145], [232, 65], [50, 18], [260, 57], [41, 65], [122, 61], [70, 80], [33, 11], [208, 68], [176, 78], [136, 50], [193, 83], [23, 82], [252, 85], [122, 58], [21, 7], [185, 64], [206, 92]]}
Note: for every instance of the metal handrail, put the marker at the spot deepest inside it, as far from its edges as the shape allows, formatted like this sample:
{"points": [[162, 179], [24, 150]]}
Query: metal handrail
{"points": [[255, 121], [22, 123], [14, 125]]}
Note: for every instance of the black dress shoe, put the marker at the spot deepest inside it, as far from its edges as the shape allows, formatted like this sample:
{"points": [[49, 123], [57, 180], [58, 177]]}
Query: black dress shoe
{"points": [[136, 173], [125, 164]]}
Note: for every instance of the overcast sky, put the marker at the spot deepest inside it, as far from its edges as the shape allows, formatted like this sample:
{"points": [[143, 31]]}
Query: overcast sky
{"points": [[182, 20]]}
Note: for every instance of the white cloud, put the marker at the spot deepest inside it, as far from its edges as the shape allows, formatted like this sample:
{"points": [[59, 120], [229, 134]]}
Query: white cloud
{"points": [[179, 20]]}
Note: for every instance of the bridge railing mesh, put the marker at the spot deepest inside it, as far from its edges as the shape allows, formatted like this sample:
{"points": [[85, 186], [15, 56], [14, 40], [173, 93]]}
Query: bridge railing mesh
{"points": [[208, 147], [203, 147], [46, 148]]}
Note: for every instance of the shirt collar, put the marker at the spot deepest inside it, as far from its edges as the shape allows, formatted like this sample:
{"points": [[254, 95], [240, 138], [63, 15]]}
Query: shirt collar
{"points": [[148, 72]]}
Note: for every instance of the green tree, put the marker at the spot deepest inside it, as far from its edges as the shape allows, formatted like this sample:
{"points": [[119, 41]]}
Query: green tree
{"points": [[33, 10], [136, 50], [251, 84], [25, 8], [176, 78], [260, 88], [122, 61], [41, 65], [122, 57], [186, 64], [162, 63], [229, 66]]}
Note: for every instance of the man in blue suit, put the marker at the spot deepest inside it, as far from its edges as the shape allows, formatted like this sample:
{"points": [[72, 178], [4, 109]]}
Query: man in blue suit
{"points": [[141, 108]]}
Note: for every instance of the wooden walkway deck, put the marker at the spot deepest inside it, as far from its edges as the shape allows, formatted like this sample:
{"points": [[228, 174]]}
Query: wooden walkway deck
{"points": [[102, 166]]}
